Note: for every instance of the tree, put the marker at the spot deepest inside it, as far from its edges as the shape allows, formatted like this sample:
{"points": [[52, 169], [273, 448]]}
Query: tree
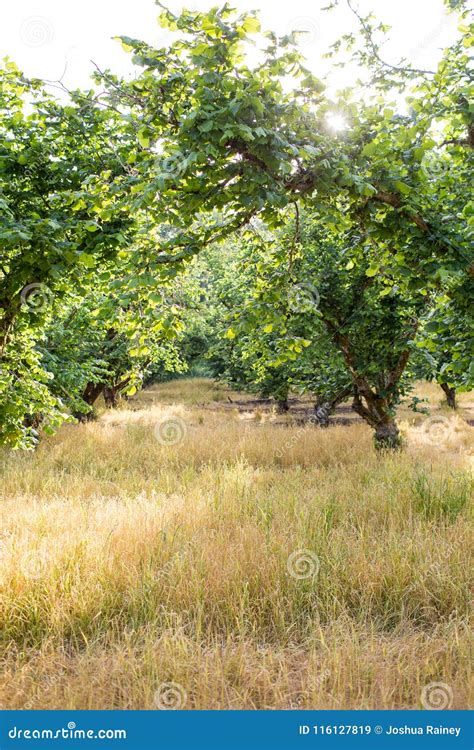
{"points": [[128, 184], [221, 141], [60, 173], [236, 142], [446, 344], [369, 316], [271, 337], [121, 348]]}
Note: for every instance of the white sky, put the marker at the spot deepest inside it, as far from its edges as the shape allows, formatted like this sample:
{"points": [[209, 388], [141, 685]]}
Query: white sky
{"points": [[42, 35]]}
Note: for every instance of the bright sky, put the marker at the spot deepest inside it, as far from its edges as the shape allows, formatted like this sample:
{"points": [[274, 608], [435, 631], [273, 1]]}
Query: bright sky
{"points": [[41, 36]]}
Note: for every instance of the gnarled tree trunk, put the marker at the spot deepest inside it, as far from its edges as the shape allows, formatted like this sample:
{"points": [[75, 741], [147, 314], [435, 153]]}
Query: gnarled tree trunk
{"points": [[377, 412], [387, 435], [111, 393], [90, 395], [322, 411], [377, 409], [324, 407], [450, 395]]}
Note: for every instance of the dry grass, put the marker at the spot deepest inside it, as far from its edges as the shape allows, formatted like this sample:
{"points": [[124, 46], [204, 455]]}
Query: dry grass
{"points": [[127, 563]]}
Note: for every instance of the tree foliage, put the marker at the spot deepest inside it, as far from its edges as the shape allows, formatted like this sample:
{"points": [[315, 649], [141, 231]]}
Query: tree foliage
{"points": [[107, 200]]}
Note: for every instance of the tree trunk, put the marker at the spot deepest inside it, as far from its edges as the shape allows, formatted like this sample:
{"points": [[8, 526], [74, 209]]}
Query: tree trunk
{"points": [[322, 410], [450, 395], [387, 436], [282, 406], [377, 414], [324, 407], [110, 397], [377, 410], [92, 392], [33, 420], [90, 395]]}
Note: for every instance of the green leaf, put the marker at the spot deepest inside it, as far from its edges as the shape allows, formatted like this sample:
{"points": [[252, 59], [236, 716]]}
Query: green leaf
{"points": [[87, 260], [143, 138], [402, 187], [251, 25], [206, 126], [370, 149]]}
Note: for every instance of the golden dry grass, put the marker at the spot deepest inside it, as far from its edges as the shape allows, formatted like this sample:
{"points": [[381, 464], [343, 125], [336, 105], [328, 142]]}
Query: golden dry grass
{"points": [[128, 563]]}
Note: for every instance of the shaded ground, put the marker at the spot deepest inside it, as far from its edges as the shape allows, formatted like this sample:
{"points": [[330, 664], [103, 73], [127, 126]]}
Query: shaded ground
{"points": [[216, 397], [301, 410]]}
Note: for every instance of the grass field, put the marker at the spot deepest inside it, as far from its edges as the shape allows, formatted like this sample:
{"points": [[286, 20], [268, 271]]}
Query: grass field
{"points": [[183, 552]]}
